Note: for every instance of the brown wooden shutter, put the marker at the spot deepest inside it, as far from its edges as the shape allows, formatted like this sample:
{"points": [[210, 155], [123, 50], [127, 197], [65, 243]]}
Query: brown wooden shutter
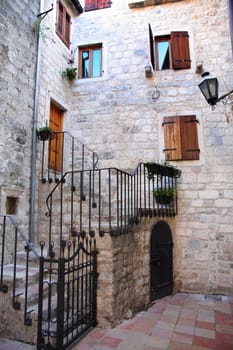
{"points": [[59, 18], [151, 43], [180, 50], [91, 5], [55, 145], [67, 29], [104, 4], [172, 140], [189, 137]]}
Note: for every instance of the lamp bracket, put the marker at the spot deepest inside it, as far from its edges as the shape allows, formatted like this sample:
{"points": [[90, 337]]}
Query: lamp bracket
{"points": [[42, 15], [223, 97]]}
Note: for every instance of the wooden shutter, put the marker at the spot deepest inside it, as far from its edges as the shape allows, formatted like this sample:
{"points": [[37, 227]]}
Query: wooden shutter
{"points": [[172, 140], [189, 138], [181, 138], [67, 29], [55, 145], [59, 18], [91, 5], [180, 50], [151, 45], [63, 24]]}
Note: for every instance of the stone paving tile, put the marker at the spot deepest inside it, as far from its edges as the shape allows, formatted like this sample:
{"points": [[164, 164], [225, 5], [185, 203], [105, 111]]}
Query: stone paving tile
{"points": [[165, 325], [186, 322], [157, 341], [184, 329], [223, 318], [206, 315], [182, 338], [179, 346], [206, 325], [208, 343], [224, 338], [224, 328], [162, 333], [205, 333], [189, 314]]}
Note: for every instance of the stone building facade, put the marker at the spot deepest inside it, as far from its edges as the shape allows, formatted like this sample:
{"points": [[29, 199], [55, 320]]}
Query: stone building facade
{"points": [[18, 55], [120, 114], [116, 115]]}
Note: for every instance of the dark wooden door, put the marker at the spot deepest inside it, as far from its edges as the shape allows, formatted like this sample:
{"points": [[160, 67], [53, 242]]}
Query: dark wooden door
{"points": [[161, 274]]}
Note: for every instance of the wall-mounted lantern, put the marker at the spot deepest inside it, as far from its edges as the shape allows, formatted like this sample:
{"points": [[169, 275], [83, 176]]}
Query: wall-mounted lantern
{"points": [[209, 89], [148, 71]]}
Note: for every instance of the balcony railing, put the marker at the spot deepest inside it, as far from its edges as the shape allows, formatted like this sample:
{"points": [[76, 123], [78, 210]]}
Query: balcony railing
{"points": [[62, 153], [110, 200]]}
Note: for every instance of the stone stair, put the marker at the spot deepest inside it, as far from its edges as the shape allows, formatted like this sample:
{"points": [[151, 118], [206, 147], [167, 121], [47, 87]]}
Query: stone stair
{"points": [[14, 323]]}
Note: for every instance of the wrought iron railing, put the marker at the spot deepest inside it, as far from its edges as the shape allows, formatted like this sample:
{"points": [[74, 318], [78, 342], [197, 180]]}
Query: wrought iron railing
{"points": [[17, 257], [110, 200], [82, 204], [68, 310], [61, 153]]}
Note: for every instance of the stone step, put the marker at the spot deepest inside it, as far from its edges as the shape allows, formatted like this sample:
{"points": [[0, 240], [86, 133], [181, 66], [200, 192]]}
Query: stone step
{"points": [[33, 275]]}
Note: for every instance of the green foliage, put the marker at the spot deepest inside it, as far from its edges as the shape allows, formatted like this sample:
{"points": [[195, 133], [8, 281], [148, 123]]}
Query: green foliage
{"points": [[44, 129], [164, 192], [44, 133], [161, 169], [40, 27], [69, 73]]}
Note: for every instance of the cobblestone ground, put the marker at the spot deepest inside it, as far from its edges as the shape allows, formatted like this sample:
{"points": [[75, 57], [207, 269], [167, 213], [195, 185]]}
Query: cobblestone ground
{"points": [[178, 322]]}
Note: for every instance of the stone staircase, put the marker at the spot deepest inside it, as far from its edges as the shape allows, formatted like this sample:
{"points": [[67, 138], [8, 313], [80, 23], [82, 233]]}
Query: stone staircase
{"points": [[15, 323]]}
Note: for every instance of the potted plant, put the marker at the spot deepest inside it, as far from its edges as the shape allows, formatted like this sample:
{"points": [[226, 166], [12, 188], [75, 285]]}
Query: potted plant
{"points": [[164, 195], [69, 73], [44, 133], [164, 169]]}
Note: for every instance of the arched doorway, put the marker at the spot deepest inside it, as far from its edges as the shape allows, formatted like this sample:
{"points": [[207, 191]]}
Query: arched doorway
{"points": [[161, 267]]}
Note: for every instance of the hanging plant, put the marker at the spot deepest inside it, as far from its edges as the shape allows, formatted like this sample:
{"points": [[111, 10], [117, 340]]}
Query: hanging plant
{"points": [[69, 73], [40, 27], [45, 133], [164, 195], [164, 169]]}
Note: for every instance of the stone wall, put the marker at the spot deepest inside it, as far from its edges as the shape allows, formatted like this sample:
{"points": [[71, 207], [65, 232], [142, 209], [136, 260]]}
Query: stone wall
{"points": [[124, 273], [117, 117], [18, 52]]}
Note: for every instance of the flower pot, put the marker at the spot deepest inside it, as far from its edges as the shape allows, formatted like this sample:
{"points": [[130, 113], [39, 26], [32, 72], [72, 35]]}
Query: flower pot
{"points": [[44, 135], [163, 199]]}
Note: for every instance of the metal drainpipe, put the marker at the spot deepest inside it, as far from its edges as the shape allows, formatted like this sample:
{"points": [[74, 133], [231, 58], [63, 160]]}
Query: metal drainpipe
{"points": [[33, 157], [230, 14]]}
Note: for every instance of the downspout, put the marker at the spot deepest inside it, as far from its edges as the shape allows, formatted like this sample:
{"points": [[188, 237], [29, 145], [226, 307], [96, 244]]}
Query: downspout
{"points": [[230, 15], [34, 139]]}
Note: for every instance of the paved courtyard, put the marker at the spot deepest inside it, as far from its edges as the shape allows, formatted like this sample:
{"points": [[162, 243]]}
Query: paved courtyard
{"points": [[178, 322]]}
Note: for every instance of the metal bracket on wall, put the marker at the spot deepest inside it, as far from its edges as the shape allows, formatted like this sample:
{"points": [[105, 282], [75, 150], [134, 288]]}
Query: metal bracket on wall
{"points": [[42, 15]]}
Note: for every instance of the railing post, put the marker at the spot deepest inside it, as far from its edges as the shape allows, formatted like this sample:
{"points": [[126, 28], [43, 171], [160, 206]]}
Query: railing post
{"points": [[2, 287], [40, 339], [27, 320], [60, 302]]}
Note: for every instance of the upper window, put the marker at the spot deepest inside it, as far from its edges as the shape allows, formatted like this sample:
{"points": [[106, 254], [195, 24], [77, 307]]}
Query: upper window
{"points": [[63, 24], [170, 51], [180, 138], [96, 4], [90, 61]]}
